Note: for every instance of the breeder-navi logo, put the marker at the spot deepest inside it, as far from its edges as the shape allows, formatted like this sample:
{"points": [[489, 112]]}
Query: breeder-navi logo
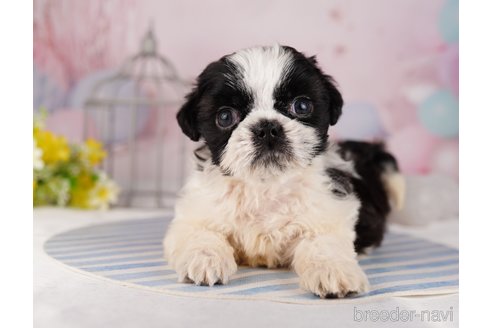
{"points": [[403, 315]]}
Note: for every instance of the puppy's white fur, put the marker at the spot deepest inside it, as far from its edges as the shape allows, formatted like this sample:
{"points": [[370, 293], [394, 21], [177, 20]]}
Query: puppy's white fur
{"points": [[263, 68], [291, 219]]}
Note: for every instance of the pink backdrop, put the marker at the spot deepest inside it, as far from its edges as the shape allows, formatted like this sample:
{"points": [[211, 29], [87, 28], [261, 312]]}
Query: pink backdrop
{"points": [[396, 61]]}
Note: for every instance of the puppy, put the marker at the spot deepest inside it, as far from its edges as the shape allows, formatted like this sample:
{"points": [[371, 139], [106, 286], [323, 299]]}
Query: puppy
{"points": [[268, 189]]}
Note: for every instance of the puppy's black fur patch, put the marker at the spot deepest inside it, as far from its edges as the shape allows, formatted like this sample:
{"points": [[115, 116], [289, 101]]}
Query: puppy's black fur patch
{"points": [[371, 161], [305, 78], [213, 90], [342, 182]]}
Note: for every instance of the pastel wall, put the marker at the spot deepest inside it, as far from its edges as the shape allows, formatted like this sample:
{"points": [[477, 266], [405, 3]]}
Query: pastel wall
{"points": [[396, 61]]}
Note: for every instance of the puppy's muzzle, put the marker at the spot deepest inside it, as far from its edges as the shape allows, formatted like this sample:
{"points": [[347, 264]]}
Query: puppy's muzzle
{"points": [[268, 134], [272, 147]]}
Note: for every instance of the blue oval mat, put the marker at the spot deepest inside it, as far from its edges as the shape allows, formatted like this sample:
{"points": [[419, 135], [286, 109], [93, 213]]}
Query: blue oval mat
{"points": [[130, 253]]}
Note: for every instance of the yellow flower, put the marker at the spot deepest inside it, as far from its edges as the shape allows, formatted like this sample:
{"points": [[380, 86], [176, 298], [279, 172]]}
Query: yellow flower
{"points": [[79, 198], [85, 181], [55, 148], [80, 194], [104, 193], [93, 152]]}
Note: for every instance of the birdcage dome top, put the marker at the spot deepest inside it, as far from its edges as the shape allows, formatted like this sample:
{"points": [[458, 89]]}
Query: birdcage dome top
{"points": [[144, 78]]}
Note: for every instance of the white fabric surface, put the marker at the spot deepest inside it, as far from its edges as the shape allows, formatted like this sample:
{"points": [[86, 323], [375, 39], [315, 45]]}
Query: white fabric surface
{"points": [[63, 298]]}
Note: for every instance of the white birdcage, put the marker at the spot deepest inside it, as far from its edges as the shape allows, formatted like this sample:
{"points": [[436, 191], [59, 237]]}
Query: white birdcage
{"points": [[133, 114]]}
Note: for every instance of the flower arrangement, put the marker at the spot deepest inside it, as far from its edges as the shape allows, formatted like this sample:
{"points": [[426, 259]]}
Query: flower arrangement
{"points": [[67, 175]]}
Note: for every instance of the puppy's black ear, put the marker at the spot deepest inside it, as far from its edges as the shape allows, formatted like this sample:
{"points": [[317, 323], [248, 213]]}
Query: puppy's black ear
{"points": [[187, 115], [335, 97], [336, 100]]}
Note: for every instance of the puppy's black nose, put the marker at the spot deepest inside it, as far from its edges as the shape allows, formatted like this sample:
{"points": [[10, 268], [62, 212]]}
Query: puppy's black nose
{"points": [[267, 130]]}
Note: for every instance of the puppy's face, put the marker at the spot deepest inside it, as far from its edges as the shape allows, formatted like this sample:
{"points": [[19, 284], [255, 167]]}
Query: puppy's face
{"points": [[262, 111]]}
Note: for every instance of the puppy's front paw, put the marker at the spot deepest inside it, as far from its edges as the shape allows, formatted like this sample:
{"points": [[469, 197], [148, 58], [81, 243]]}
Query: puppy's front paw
{"points": [[334, 280], [206, 267]]}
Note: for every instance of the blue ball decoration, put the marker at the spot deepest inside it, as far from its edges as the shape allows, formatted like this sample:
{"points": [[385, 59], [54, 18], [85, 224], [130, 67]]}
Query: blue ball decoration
{"points": [[439, 114], [448, 21], [359, 121]]}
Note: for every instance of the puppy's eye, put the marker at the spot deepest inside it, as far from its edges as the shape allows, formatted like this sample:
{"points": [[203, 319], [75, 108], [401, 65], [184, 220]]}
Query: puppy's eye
{"points": [[301, 107], [227, 117]]}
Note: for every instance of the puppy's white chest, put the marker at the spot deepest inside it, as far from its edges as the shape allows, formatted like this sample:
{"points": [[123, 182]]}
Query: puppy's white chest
{"points": [[268, 220], [268, 205]]}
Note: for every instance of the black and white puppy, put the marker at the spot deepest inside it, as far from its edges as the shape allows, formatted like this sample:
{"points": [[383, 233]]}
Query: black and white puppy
{"points": [[268, 189]]}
